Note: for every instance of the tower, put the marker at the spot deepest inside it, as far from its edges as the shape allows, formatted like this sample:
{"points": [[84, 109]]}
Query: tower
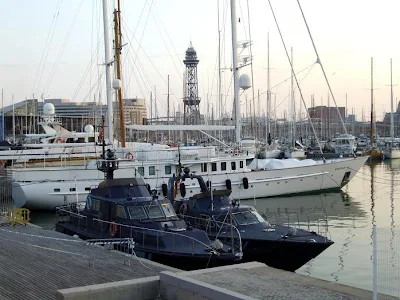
{"points": [[191, 100]]}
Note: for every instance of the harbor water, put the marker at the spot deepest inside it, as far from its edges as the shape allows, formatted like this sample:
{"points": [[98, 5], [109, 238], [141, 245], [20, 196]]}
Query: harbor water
{"points": [[371, 198]]}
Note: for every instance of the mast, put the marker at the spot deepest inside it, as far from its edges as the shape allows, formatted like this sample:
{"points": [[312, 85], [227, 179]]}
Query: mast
{"points": [[391, 105], [2, 113], [293, 113], [169, 132], [372, 104], [108, 74], [268, 92], [235, 73], [118, 49], [219, 77]]}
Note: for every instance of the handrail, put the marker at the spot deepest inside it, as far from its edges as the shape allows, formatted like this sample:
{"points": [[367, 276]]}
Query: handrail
{"points": [[143, 229], [210, 220]]}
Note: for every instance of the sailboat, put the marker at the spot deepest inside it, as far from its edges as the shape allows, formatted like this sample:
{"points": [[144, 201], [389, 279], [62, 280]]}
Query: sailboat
{"points": [[374, 153], [391, 152]]}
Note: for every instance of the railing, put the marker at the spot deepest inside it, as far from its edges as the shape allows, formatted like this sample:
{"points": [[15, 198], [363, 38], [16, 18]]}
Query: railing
{"points": [[207, 224], [139, 234], [6, 200], [316, 221]]}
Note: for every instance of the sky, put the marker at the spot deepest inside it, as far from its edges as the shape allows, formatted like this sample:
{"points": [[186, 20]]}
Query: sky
{"points": [[55, 48]]}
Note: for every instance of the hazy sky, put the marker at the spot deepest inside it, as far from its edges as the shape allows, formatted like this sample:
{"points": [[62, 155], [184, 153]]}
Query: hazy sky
{"points": [[157, 34]]}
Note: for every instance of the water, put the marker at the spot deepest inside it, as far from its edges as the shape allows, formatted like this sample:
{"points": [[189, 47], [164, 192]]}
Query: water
{"points": [[370, 198]]}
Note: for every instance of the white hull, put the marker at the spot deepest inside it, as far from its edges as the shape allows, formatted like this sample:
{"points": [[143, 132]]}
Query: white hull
{"points": [[295, 154], [75, 184], [272, 153], [391, 154]]}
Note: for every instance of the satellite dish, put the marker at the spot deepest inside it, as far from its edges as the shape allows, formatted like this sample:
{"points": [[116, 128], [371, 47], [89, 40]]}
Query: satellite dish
{"points": [[244, 82]]}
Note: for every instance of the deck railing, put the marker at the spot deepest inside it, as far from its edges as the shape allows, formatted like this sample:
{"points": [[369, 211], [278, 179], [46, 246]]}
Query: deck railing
{"points": [[139, 234]]}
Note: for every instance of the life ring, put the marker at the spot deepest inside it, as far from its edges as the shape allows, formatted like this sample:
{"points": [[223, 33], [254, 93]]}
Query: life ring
{"points": [[59, 140], [183, 209], [113, 229], [130, 156]]}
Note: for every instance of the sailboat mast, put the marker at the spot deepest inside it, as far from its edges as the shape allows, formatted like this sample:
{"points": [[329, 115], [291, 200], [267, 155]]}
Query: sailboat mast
{"points": [[268, 92], [391, 105], [235, 73], [118, 49], [108, 72], [293, 109], [372, 104]]}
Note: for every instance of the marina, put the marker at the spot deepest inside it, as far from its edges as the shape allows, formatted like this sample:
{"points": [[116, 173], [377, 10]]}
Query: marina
{"points": [[230, 183]]}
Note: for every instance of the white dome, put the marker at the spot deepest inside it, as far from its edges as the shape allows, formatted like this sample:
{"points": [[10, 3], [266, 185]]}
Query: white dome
{"points": [[49, 109], [117, 84], [244, 82], [89, 128]]}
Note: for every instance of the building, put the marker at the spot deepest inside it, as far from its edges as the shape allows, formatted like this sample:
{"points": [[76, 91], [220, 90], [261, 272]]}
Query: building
{"points": [[327, 113], [135, 111]]}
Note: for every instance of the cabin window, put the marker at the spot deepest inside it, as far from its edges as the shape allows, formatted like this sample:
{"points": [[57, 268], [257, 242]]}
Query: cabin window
{"points": [[168, 210], [241, 164], [155, 211], [137, 212], [120, 211], [204, 167], [56, 190], [87, 188], [152, 170], [72, 189], [233, 165], [141, 171], [167, 170], [213, 167], [223, 166], [95, 205], [245, 218]]}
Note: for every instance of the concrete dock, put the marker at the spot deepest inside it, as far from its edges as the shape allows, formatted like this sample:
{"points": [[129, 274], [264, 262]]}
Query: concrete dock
{"points": [[44, 264], [35, 263]]}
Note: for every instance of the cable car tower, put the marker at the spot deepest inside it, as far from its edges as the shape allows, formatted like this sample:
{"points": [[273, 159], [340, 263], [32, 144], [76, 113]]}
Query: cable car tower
{"points": [[191, 99]]}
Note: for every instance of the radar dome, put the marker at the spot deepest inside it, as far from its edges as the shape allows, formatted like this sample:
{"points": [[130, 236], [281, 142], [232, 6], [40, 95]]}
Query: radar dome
{"points": [[244, 82], [117, 84], [89, 128], [49, 109]]}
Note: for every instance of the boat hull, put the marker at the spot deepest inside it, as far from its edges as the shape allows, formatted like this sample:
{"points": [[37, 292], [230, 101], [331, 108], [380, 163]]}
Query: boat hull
{"points": [[331, 175], [391, 154]]}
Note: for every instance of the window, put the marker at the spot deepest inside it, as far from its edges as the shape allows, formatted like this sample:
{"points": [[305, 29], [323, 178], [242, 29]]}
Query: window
{"points": [[72, 189], [120, 211], [87, 188], [95, 205], [152, 170], [223, 166], [233, 165], [241, 164], [168, 210], [155, 211], [245, 218], [213, 167], [137, 212], [167, 170], [141, 171], [204, 167], [56, 190]]}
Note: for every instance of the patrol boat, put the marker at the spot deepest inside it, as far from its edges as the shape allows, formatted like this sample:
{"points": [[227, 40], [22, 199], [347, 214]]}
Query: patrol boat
{"points": [[278, 246], [125, 209]]}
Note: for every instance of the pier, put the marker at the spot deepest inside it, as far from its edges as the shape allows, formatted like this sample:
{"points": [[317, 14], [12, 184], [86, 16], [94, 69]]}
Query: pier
{"points": [[44, 264]]}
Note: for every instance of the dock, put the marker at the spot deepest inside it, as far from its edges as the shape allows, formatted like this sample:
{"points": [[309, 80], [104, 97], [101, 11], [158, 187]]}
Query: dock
{"points": [[35, 263]]}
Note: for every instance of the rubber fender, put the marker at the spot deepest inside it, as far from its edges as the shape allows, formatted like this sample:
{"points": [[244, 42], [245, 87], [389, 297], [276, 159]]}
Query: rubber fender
{"points": [[245, 183], [164, 188], [228, 184], [182, 189]]}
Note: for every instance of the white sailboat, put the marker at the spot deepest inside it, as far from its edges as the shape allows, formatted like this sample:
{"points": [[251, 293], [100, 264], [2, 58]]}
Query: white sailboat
{"points": [[46, 188], [391, 152]]}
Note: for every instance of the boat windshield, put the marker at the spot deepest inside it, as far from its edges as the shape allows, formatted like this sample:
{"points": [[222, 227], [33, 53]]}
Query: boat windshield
{"points": [[155, 211], [137, 212], [168, 210], [258, 216], [246, 218]]}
